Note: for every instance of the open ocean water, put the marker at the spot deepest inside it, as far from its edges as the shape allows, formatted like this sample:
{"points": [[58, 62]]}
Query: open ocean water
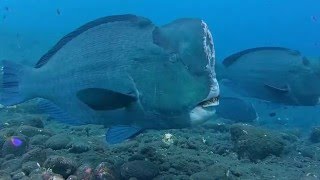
{"points": [[267, 127]]}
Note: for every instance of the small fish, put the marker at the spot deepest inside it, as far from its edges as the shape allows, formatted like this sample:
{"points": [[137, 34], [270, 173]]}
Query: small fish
{"points": [[58, 11], [123, 72], [4, 17], [314, 18], [6, 8], [273, 114], [274, 74]]}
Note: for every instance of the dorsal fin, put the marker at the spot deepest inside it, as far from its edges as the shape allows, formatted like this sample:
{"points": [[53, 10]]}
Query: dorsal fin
{"points": [[127, 17], [234, 57]]}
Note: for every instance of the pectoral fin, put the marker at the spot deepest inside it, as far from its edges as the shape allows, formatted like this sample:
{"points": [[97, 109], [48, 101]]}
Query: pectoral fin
{"points": [[118, 134], [103, 99]]}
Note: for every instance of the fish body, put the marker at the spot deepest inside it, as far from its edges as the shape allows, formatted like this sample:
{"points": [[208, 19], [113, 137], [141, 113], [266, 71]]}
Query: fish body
{"points": [[236, 109], [272, 74], [122, 70]]}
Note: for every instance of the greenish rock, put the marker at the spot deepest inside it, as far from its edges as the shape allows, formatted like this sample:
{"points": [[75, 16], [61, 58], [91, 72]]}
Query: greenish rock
{"points": [[30, 166], [28, 119], [59, 141], [61, 165], [201, 176], [72, 177], [218, 172], [32, 131], [39, 139], [11, 165], [139, 169], [78, 147], [255, 143], [315, 135], [5, 134], [19, 176], [37, 154], [4, 175]]}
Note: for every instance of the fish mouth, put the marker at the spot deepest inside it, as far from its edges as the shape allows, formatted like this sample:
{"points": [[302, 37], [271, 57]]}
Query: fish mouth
{"points": [[209, 102]]}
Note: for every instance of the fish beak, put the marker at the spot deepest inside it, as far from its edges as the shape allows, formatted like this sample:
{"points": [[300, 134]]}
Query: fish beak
{"points": [[204, 111], [210, 102]]}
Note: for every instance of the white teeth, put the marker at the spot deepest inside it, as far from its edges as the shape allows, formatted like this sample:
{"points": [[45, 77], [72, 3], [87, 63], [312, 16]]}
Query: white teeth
{"points": [[210, 102]]}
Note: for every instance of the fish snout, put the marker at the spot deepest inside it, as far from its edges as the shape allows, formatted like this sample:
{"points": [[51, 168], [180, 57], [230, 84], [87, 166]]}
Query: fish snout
{"points": [[200, 115], [204, 110]]}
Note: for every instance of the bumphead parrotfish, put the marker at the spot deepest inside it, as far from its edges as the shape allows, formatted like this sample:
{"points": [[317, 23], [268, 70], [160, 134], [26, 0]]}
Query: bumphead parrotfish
{"points": [[273, 74], [123, 72]]}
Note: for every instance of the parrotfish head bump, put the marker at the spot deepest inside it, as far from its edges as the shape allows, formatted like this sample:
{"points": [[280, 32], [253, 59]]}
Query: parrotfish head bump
{"points": [[203, 55], [210, 54]]}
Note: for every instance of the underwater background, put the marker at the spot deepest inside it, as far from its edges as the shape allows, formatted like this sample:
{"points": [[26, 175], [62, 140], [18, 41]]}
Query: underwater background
{"points": [[288, 136]]}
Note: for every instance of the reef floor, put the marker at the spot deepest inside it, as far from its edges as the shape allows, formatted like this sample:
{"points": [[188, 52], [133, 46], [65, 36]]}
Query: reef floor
{"points": [[36, 147]]}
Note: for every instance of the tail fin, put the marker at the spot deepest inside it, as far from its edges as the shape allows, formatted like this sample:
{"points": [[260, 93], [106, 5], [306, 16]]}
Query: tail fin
{"points": [[12, 74]]}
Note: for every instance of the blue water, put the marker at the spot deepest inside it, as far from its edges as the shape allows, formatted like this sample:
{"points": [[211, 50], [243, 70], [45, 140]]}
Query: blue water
{"points": [[235, 24]]}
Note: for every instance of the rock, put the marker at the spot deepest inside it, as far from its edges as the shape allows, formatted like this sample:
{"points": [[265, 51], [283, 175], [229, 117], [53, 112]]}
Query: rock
{"points": [[139, 169], [255, 143], [72, 177], [201, 176], [32, 131], [212, 172], [47, 175], [36, 154], [85, 172], [30, 166], [315, 135], [218, 172], [4, 175], [38, 139], [34, 120], [20, 176], [37, 174], [216, 127], [59, 141], [11, 165], [103, 172], [9, 156], [4, 134], [15, 145], [78, 147], [61, 165], [148, 152], [28, 119]]}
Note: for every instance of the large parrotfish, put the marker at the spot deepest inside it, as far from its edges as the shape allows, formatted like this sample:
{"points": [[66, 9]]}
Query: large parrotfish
{"points": [[123, 72], [274, 74]]}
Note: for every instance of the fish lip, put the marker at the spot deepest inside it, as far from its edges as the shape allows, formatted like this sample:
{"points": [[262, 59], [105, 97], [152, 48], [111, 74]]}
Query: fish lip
{"points": [[210, 102]]}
